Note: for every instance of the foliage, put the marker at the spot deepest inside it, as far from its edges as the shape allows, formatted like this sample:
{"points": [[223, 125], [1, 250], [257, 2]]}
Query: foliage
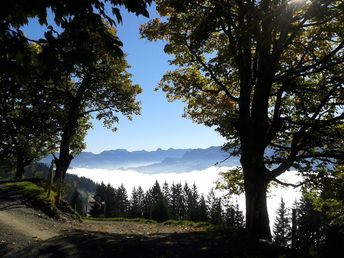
{"points": [[214, 208], [233, 216], [267, 75], [231, 181], [77, 202], [155, 205], [282, 228], [42, 106], [324, 199]]}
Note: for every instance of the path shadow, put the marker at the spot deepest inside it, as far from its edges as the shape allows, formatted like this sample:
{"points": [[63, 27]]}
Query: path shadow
{"points": [[79, 244], [10, 198], [93, 244]]}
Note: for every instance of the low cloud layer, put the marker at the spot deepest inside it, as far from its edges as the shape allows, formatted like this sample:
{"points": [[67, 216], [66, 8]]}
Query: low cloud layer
{"points": [[204, 179]]}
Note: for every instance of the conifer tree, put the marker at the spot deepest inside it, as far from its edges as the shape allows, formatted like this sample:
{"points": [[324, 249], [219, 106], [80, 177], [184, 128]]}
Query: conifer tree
{"points": [[193, 206], [155, 204], [282, 227], [167, 195], [136, 203], [234, 216], [97, 208], [202, 214], [110, 202], [177, 202], [121, 202], [215, 208], [309, 233], [77, 202]]}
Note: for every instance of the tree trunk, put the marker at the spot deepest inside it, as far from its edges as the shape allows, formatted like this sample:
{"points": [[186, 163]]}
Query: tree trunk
{"points": [[62, 165], [257, 218], [20, 167]]}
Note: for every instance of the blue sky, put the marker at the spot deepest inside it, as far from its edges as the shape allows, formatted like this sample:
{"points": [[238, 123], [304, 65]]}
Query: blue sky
{"points": [[161, 124]]}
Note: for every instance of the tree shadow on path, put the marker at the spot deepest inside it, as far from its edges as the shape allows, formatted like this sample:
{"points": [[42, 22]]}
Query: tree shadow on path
{"points": [[192, 244]]}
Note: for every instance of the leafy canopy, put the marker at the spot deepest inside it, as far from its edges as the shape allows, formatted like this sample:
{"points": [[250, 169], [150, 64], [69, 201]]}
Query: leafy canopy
{"points": [[267, 74]]}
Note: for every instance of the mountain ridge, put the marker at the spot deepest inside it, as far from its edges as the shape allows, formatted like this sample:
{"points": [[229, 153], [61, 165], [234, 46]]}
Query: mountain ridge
{"points": [[158, 161]]}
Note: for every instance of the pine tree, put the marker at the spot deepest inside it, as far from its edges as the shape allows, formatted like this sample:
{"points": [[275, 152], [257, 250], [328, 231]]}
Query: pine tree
{"points": [[97, 208], [234, 216], [187, 201], [193, 204], [155, 206], [282, 227], [178, 210], [136, 203], [110, 202], [309, 224], [121, 202], [202, 211], [215, 208], [77, 202]]}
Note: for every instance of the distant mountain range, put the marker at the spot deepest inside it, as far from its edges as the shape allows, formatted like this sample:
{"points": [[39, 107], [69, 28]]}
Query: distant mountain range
{"points": [[159, 161]]}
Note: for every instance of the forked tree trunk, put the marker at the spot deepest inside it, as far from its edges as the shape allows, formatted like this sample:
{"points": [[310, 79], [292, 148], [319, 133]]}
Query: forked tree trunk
{"points": [[257, 218]]}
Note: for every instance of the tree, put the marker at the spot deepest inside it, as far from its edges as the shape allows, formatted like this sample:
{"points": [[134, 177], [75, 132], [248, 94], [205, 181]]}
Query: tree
{"points": [[121, 202], [282, 228], [234, 216], [267, 75], [136, 203], [214, 208], [177, 202], [202, 210], [310, 224], [166, 193], [97, 83], [57, 62], [321, 213], [193, 203], [77, 202], [98, 207], [27, 129]]}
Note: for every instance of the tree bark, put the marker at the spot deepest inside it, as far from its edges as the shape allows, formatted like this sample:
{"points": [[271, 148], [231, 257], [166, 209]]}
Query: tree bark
{"points": [[65, 158], [257, 218], [20, 167]]}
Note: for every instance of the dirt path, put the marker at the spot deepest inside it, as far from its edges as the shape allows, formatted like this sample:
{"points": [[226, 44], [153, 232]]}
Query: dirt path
{"points": [[26, 225], [25, 232], [21, 226]]}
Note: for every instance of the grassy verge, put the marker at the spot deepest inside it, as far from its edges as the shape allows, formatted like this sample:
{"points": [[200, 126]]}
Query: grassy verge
{"points": [[38, 198], [187, 223], [138, 220], [147, 221], [35, 195]]}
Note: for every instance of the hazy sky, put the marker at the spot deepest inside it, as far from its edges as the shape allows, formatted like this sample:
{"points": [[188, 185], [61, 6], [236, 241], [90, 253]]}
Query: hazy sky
{"points": [[161, 124]]}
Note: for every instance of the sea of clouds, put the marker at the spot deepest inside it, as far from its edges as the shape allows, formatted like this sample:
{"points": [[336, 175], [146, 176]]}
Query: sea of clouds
{"points": [[204, 180]]}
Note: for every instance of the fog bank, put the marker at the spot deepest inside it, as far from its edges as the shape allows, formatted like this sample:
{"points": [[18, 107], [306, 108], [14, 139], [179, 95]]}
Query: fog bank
{"points": [[204, 180]]}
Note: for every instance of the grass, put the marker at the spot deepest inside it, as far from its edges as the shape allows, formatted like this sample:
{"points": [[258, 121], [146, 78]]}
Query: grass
{"points": [[187, 223], [138, 220], [148, 221], [36, 196], [33, 193]]}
